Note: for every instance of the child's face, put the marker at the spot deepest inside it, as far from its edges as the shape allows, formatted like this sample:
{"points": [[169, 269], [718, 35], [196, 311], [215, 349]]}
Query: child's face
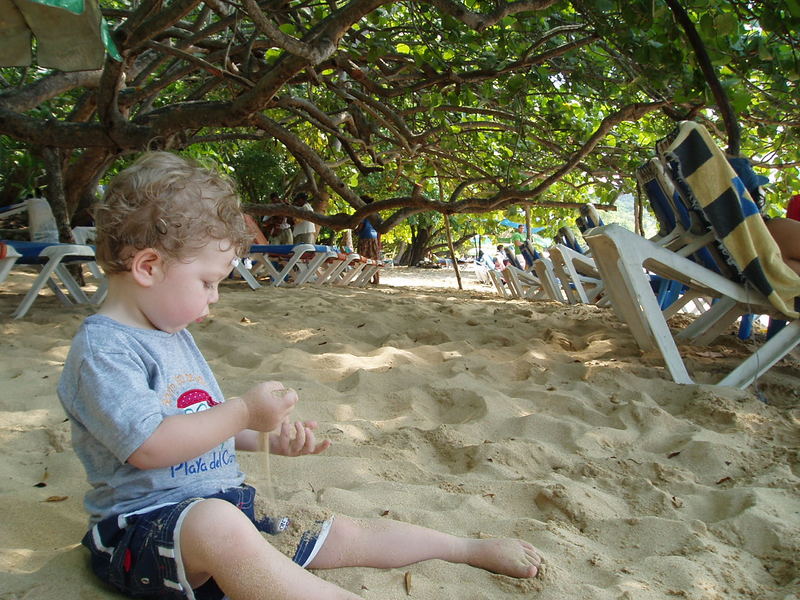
{"points": [[188, 288]]}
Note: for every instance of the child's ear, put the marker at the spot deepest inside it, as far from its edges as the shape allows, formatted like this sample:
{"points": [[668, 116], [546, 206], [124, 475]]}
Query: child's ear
{"points": [[147, 267]]}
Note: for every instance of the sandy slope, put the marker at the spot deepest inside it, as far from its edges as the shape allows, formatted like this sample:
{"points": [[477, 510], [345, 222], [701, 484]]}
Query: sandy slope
{"points": [[464, 412]]}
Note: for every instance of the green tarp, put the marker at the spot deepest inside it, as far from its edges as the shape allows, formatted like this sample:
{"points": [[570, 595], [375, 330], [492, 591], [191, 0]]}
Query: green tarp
{"points": [[71, 35]]}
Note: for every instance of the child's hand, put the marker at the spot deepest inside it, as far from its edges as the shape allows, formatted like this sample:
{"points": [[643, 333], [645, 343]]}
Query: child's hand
{"points": [[297, 439], [268, 404]]}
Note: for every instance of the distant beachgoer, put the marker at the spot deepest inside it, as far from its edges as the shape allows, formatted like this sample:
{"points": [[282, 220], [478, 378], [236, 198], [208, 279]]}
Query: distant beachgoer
{"points": [[305, 232], [501, 258], [369, 240], [524, 247], [279, 227]]}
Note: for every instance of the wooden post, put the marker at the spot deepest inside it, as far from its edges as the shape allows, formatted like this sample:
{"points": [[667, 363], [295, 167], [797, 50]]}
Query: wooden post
{"points": [[450, 239], [452, 251], [527, 223]]}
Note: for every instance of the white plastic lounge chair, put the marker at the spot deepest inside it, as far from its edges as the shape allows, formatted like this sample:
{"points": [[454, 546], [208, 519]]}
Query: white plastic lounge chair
{"points": [[364, 275], [549, 280], [286, 263], [767, 285], [348, 269], [8, 257], [524, 284], [622, 257], [340, 270], [481, 273], [580, 279], [496, 277], [53, 258]]}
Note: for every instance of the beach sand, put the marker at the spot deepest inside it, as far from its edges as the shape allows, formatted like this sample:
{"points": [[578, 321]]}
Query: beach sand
{"points": [[461, 411]]}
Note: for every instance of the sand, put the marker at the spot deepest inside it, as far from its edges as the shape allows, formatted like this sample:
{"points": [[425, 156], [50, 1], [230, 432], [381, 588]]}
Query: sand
{"points": [[464, 412]]}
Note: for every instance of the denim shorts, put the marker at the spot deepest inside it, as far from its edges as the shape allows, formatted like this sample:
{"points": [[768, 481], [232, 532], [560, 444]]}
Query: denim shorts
{"points": [[139, 553]]}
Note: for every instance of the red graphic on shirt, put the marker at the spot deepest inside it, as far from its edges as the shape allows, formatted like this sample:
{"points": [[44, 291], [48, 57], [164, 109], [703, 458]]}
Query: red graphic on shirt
{"points": [[195, 401]]}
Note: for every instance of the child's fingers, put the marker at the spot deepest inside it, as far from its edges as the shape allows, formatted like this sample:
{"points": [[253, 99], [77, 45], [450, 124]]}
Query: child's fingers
{"points": [[299, 441], [321, 447], [311, 446]]}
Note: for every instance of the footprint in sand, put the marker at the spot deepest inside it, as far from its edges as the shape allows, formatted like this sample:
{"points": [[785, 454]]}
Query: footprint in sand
{"points": [[452, 406], [242, 358]]}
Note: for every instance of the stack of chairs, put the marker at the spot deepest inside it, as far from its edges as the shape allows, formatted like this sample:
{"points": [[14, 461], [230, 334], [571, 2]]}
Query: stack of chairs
{"points": [[302, 263], [307, 263]]}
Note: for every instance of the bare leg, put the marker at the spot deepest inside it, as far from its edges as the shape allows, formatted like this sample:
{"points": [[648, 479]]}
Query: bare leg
{"points": [[786, 233], [384, 543], [218, 540]]}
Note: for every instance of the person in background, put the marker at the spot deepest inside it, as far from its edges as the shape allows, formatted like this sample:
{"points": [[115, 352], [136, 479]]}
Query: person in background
{"points": [[501, 258], [279, 227], [523, 247], [369, 240], [305, 232]]}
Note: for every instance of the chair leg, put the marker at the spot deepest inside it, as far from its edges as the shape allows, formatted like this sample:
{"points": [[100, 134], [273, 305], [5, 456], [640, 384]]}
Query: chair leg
{"points": [[69, 283], [633, 298], [247, 276], [767, 355]]}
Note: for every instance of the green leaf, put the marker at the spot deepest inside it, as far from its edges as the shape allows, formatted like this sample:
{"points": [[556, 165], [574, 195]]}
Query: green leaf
{"points": [[726, 23], [403, 48], [794, 7]]}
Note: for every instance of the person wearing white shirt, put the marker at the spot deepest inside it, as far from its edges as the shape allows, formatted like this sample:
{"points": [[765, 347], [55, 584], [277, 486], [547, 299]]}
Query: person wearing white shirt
{"points": [[304, 232]]}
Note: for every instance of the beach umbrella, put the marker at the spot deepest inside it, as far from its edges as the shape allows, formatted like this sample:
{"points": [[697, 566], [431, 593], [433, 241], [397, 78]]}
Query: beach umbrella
{"points": [[71, 35], [513, 225]]}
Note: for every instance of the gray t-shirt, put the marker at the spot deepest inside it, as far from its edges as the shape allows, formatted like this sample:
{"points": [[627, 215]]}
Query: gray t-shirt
{"points": [[118, 384]]}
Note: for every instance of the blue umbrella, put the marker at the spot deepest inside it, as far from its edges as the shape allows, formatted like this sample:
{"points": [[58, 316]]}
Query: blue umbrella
{"points": [[509, 223]]}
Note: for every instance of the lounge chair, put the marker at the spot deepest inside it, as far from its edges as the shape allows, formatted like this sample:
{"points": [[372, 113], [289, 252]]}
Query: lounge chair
{"points": [[499, 282], [285, 263], [348, 268], [8, 257], [764, 283], [52, 258], [551, 285], [524, 284], [578, 274]]}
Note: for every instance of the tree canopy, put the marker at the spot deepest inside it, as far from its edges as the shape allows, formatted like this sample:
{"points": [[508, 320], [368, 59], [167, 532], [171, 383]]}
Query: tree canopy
{"points": [[437, 105]]}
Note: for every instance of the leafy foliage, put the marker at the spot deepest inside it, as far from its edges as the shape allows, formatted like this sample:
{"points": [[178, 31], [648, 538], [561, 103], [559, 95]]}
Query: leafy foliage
{"points": [[434, 108]]}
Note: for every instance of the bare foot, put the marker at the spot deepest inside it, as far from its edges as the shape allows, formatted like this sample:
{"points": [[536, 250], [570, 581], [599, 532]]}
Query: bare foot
{"points": [[506, 556]]}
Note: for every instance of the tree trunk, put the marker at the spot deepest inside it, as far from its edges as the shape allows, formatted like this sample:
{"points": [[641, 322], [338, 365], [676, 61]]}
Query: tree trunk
{"points": [[723, 103], [80, 184], [419, 246], [55, 192]]}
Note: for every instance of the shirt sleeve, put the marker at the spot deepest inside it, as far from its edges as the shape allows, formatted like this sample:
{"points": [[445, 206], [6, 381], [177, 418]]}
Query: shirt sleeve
{"points": [[114, 403]]}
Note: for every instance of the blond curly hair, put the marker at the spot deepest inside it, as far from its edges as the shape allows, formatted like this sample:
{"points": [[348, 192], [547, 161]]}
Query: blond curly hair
{"points": [[169, 203]]}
